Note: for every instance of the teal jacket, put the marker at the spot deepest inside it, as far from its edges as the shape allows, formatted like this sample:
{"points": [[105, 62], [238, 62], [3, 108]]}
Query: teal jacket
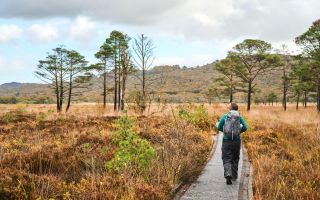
{"points": [[221, 124]]}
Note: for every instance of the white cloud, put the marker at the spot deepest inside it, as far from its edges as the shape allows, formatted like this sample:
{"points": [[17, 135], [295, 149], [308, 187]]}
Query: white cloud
{"points": [[219, 24], [204, 19], [271, 20], [82, 29], [9, 33], [43, 33], [120, 11]]}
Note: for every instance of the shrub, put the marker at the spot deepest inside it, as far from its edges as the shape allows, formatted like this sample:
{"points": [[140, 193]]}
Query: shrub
{"points": [[136, 97], [20, 109], [9, 117], [50, 111], [61, 118], [184, 151], [41, 117], [8, 100], [198, 116], [86, 146], [184, 113], [134, 153]]}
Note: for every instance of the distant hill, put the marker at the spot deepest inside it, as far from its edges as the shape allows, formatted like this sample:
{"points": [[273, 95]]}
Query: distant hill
{"points": [[12, 85], [173, 83], [26, 92]]}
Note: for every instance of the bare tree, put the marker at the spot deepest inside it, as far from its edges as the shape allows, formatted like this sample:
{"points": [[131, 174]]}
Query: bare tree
{"points": [[285, 67], [143, 48]]}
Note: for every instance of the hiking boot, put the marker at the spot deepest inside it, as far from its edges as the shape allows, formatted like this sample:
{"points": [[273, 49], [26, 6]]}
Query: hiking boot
{"points": [[234, 178], [229, 182]]}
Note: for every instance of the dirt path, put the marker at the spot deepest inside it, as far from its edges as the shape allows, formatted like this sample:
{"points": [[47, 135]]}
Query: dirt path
{"points": [[211, 184]]}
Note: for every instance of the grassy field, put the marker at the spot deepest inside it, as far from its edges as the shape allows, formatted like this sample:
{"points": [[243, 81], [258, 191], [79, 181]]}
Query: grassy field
{"points": [[89, 155], [285, 152], [79, 155]]}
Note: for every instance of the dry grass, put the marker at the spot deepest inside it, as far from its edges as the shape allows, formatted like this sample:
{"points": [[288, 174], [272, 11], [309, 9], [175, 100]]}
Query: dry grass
{"points": [[285, 152], [83, 110], [62, 157], [44, 155]]}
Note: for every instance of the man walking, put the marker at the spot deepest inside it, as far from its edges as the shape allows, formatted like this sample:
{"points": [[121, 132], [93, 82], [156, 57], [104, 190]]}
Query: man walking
{"points": [[232, 125]]}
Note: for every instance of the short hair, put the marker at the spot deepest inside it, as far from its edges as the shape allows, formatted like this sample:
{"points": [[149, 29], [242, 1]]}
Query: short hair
{"points": [[234, 106]]}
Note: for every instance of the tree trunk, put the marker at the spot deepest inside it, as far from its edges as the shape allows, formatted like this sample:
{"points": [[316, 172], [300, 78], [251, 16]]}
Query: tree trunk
{"points": [[298, 99], [58, 99], [119, 80], [284, 100], [231, 89], [305, 98], [143, 87], [149, 103], [115, 85], [119, 89], [318, 95], [57, 92], [249, 95], [104, 89], [143, 74], [125, 67], [61, 88], [61, 96], [123, 91], [70, 93]]}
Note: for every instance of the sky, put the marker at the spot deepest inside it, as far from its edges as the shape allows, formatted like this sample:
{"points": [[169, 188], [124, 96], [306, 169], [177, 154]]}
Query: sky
{"points": [[185, 32]]}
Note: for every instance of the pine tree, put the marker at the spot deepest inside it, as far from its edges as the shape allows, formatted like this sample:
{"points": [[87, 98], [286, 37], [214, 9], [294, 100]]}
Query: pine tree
{"points": [[254, 59]]}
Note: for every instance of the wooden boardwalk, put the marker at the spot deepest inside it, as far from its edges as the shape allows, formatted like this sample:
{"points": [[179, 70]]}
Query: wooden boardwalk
{"points": [[211, 185]]}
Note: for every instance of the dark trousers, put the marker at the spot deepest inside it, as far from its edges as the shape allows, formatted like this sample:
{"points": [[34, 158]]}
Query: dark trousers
{"points": [[230, 157]]}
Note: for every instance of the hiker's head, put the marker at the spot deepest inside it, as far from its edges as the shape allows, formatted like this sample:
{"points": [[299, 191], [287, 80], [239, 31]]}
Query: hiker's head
{"points": [[233, 106]]}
